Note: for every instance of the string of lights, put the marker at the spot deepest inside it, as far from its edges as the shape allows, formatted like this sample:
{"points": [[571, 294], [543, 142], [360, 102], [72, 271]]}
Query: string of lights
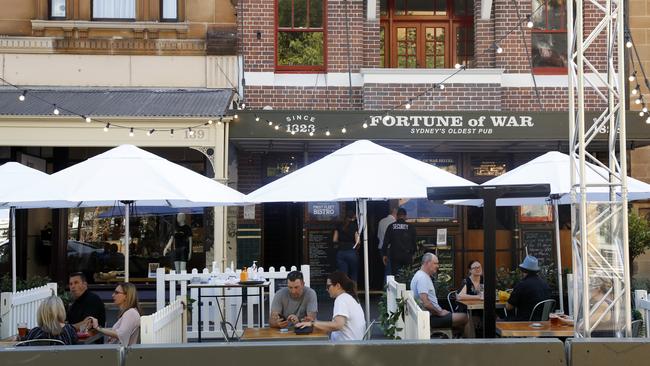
{"points": [[107, 125], [634, 76], [408, 103]]}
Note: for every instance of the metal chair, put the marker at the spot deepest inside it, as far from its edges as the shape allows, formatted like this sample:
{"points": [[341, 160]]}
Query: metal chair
{"points": [[636, 327], [40, 342], [546, 307], [368, 333], [451, 299]]}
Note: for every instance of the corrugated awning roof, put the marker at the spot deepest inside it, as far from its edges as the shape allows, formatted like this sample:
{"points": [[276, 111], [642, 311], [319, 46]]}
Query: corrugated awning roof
{"points": [[117, 102]]}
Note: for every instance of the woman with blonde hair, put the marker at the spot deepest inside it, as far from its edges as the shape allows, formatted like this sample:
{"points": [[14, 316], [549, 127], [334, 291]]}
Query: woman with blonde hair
{"points": [[126, 330], [51, 323]]}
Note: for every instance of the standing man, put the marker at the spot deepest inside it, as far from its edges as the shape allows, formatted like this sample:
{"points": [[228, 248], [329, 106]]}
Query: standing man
{"points": [[381, 233], [425, 294], [294, 303], [85, 303], [399, 243]]}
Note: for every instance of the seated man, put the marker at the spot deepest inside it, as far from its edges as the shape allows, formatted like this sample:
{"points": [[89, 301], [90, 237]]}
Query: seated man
{"points": [[528, 292], [425, 294], [294, 303], [85, 303]]}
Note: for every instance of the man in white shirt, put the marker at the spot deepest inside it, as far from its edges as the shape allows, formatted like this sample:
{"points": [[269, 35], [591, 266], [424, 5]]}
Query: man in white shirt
{"points": [[425, 294], [381, 233]]}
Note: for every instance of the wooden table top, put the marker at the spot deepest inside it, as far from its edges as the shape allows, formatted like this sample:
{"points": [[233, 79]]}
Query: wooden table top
{"points": [[274, 334], [524, 329], [12, 341], [478, 304]]}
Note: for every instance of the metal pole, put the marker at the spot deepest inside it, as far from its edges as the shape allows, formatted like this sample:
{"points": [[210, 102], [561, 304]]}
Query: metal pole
{"points": [[559, 254], [490, 261], [366, 281], [126, 242], [12, 211]]}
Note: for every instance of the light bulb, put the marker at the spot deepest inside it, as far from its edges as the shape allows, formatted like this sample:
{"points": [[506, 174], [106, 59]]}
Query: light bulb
{"points": [[243, 105], [635, 91], [257, 118], [311, 133], [171, 133], [151, 131], [457, 66], [365, 125], [499, 49], [293, 132], [344, 130], [236, 116], [647, 120], [637, 101], [442, 86], [270, 123], [641, 113], [108, 125], [529, 24], [22, 97], [88, 120], [191, 132], [632, 77], [277, 127], [131, 132], [645, 109], [628, 44], [408, 105], [56, 110], [210, 122], [327, 133]]}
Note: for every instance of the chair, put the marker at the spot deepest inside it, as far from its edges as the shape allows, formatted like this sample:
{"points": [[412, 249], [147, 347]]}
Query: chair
{"points": [[368, 333], [636, 327], [444, 333], [546, 307], [451, 299], [40, 342]]}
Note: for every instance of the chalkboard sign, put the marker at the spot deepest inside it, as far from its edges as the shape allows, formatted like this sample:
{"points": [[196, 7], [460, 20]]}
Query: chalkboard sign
{"points": [[540, 245], [322, 258]]}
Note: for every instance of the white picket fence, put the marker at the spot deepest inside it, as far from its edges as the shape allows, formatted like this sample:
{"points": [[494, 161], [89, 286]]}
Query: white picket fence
{"points": [[642, 304], [416, 320], [22, 307], [167, 325], [171, 285], [394, 292]]}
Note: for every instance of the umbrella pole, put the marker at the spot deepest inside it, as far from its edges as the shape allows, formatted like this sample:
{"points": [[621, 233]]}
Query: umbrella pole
{"points": [[12, 212], [126, 242], [559, 254], [366, 281]]}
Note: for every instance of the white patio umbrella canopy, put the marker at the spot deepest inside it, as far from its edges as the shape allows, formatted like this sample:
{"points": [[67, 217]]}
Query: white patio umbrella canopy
{"points": [[129, 174], [14, 176], [554, 168], [360, 171]]}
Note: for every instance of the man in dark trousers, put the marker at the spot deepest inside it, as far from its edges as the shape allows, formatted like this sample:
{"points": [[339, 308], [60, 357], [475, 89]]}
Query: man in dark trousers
{"points": [[85, 304], [399, 243]]}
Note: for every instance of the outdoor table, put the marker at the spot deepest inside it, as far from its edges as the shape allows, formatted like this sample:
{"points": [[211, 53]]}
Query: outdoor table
{"points": [[244, 295], [477, 305], [274, 334], [13, 340], [524, 329]]}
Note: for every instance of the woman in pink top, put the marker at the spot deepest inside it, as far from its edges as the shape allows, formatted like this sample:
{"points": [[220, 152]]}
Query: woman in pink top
{"points": [[126, 330]]}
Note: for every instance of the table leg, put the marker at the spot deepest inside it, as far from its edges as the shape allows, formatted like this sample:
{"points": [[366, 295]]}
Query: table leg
{"points": [[471, 325]]}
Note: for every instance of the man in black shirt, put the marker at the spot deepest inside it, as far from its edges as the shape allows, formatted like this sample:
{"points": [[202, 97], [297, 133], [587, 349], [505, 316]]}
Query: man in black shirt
{"points": [[85, 303], [399, 243], [528, 292]]}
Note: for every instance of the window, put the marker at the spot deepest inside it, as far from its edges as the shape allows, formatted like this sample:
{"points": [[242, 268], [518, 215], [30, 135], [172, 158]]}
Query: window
{"points": [[169, 10], [57, 9], [301, 43], [426, 33], [549, 38], [113, 9]]}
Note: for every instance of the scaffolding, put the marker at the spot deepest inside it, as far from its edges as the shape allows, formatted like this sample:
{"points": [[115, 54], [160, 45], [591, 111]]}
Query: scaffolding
{"points": [[602, 305]]}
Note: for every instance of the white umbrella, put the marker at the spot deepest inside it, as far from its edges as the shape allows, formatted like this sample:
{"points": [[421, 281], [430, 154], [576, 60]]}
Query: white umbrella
{"points": [[14, 176], [554, 168], [360, 172], [127, 174]]}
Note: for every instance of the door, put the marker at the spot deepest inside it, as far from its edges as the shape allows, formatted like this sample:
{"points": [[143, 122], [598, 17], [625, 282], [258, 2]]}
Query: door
{"points": [[420, 45]]}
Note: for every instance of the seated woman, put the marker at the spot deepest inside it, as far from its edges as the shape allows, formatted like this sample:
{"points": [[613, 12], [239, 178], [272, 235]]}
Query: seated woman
{"points": [[126, 330], [472, 284], [348, 321], [51, 323]]}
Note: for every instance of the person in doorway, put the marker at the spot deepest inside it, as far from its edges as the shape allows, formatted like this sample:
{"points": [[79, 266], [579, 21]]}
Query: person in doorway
{"points": [[381, 233], [181, 240], [528, 292], [346, 239], [348, 322], [399, 244], [425, 294], [294, 303], [51, 323], [126, 330], [85, 303]]}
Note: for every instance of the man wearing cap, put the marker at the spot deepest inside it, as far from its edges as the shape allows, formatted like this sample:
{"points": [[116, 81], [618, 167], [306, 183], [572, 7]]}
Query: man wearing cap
{"points": [[529, 291]]}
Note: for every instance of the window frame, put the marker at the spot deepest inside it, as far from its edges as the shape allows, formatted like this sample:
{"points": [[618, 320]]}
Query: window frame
{"points": [[169, 20], [92, 15], [49, 11], [548, 70], [299, 68], [451, 20]]}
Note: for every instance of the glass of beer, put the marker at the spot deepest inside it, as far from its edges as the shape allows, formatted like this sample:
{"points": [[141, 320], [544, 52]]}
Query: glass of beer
{"points": [[555, 317], [22, 329]]}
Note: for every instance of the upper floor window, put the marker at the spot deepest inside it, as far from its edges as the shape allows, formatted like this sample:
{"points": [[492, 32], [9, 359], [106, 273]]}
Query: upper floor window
{"points": [[113, 9], [426, 33], [169, 10], [301, 35], [57, 9], [549, 37]]}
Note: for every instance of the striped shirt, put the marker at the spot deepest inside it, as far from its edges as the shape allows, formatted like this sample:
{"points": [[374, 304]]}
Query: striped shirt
{"points": [[68, 334]]}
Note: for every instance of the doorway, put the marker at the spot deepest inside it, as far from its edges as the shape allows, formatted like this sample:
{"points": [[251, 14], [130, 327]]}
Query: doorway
{"points": [[282, 234]]}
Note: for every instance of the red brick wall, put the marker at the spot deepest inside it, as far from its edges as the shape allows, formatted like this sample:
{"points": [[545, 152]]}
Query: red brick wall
{"points": [[339, 39], [453, 97], [297, 97], [551, 99], [257, 15], [484, 55]]}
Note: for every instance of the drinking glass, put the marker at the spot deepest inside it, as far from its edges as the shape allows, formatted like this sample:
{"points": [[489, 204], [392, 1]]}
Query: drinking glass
{"points": [[481, 291], [22, 329], [555, 317]]}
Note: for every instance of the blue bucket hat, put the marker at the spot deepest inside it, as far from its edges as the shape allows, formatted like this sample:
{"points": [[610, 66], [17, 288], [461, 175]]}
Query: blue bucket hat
{"points": [[530, 263]]}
